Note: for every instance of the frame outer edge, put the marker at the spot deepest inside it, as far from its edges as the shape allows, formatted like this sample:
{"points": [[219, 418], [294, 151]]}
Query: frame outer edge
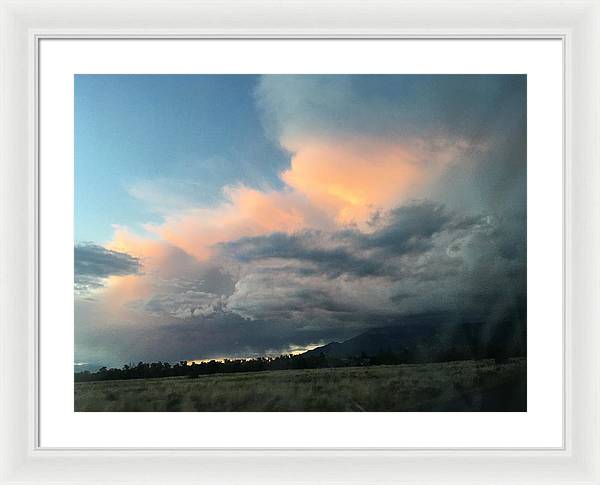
{"points": [[16, 265], [18, 461], [584, 231]]}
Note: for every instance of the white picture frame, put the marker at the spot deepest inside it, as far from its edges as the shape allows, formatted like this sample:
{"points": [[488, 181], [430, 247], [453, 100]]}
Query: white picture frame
{"points": [[23, 23]]}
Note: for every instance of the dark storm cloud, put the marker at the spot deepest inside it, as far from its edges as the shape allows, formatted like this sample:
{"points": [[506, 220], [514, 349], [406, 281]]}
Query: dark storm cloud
{"points": [[332, 258], [94, 263], [409, 229], [420, 258]]}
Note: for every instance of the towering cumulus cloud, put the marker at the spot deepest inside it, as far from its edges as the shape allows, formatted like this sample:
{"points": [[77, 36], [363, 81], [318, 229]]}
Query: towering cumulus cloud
{"points": [[400, 196]]}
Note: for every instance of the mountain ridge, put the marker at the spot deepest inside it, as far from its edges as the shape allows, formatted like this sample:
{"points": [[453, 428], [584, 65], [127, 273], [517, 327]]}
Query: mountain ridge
{"points": [[431, 342]]}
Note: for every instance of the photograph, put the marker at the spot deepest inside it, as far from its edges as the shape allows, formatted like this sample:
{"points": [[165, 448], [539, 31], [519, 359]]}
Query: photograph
{"points": [[300, 243]]}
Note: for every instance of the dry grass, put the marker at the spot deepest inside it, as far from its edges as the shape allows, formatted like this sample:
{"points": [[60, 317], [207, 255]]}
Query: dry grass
{"points": [[452, 386]]}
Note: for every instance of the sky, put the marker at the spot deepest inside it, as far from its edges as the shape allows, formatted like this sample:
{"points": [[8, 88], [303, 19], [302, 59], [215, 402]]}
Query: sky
{"points": [[241, 215]]}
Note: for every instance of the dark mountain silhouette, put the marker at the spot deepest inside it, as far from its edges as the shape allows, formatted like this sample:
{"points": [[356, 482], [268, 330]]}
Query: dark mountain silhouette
{"points": [[416, 341]]}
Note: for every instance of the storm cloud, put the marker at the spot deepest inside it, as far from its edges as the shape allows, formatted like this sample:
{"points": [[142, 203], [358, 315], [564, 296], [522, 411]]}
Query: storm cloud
{"points": [[419, 258]]}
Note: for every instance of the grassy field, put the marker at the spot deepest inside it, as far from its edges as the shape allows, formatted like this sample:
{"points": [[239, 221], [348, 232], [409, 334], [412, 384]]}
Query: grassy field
{"points": [[452, 386]]}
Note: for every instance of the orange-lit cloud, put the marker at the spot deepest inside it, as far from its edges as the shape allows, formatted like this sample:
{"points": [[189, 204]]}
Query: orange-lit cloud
{"points": [[160, 261], [329, 184], [157, 256], [123, 289], [248, 212], [350, 179]]}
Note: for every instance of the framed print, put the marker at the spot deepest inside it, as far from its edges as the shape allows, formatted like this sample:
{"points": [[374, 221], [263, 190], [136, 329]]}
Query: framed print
{"points": [[294, 259], [286, 250]]}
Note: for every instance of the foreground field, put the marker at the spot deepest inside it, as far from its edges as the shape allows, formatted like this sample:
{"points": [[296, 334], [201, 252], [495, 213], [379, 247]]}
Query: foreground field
{"points": [[452, 386]]}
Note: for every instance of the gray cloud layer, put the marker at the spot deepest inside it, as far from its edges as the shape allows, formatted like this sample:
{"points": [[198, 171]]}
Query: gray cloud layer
{"points": [[390, 105], [419, 258]]}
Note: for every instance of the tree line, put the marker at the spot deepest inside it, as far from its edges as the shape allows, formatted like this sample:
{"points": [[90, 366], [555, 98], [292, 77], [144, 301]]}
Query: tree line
{"points": [[144, 370]]}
